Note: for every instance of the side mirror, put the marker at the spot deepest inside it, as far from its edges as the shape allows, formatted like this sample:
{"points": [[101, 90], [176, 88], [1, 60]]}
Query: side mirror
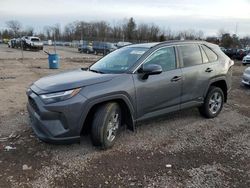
{"points": [[150, 69]]}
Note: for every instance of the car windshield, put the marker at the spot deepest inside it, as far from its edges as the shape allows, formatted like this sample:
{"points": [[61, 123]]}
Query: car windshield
{"points": [[34, 39], [118, 61]]}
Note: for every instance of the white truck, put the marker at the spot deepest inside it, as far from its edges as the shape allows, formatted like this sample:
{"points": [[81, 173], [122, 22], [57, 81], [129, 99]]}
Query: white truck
{"points": [[32, 43]]}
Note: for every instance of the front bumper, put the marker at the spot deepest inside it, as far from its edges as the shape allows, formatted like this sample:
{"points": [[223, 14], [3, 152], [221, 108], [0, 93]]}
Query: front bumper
{"points": [[56, 123]]}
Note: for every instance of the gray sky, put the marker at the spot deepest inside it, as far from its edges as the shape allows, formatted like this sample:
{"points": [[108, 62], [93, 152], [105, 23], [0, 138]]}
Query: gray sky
{"points": [[207, 15]]}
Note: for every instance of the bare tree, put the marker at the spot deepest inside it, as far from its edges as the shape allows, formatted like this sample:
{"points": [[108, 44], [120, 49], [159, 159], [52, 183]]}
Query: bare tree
{"points": [[169, 34], [48, 32], [200, 35], [29, 31], [69, 31], [15, 26], [117, 33], [142, 32], [57, 31], [245, 41], [154, 33]]}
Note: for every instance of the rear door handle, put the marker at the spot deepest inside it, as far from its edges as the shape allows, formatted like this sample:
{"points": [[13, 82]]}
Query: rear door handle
{"points": [[175, 78], [208, 70]]}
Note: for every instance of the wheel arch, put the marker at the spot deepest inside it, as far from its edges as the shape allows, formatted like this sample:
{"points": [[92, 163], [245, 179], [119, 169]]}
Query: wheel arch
{"points": [[128, 112], [221, 83]]}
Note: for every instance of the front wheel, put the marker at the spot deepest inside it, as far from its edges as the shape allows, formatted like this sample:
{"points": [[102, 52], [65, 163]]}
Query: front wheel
{"points": [[105, 126], [213, 102]]}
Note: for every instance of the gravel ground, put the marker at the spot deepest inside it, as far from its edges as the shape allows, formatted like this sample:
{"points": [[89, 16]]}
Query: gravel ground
{"points": [[181, 149]]}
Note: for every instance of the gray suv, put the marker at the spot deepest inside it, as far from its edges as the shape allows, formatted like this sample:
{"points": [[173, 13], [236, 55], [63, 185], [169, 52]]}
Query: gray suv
{"points": [[129, 85]]}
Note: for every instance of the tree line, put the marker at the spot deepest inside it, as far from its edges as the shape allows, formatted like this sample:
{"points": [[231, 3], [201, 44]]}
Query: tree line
{"points": [[127, 30]]}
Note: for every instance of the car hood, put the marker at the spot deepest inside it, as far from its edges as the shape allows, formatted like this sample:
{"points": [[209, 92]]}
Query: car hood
{"points": [[247, 56], [68, 80]]}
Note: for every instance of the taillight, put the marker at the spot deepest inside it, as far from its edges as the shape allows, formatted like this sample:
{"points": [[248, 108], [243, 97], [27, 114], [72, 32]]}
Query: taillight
{"points": [[231, 62]]}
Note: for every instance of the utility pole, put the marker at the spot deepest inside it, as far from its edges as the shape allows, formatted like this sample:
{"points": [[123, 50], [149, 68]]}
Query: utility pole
{"points": [[81, 32], [236, 28], [55, 41]]}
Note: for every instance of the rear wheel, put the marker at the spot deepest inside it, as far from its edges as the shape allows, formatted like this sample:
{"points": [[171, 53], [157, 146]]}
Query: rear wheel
{"points": [[213, 102], [105, 126]]}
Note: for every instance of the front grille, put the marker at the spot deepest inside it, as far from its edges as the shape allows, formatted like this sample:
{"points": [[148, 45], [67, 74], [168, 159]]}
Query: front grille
{"points": [[248, 60], [34, 105]]}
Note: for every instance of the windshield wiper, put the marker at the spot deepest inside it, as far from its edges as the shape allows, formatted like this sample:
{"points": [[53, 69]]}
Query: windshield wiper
{"points": [[96, 71]]}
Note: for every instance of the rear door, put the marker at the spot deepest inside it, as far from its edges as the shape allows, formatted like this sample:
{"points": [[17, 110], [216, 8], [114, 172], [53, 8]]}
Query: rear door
{"points": [[195, 74]]}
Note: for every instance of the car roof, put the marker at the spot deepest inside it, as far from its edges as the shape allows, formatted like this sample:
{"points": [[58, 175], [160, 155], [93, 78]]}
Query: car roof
{"points": [[176, 42], [144, 45]]}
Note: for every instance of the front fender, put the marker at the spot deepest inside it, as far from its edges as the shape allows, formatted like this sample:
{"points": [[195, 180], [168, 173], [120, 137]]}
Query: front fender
{"points": [[102, 99]]}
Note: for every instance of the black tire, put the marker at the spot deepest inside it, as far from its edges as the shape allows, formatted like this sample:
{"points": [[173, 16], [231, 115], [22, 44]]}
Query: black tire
{"points": [[103, 118], [205, 109], [244, 64]]}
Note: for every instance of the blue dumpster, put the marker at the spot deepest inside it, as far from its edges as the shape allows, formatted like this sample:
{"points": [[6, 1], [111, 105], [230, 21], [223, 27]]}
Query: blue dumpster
{"points": [[53, 61]]}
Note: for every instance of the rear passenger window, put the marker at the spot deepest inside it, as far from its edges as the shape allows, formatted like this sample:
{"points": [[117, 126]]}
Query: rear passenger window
{"points": [[191, 55], [210, 54]]}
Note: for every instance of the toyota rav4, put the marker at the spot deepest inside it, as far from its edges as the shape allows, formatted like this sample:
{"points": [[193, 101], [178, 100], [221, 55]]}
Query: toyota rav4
{"points": [[129, 85]]}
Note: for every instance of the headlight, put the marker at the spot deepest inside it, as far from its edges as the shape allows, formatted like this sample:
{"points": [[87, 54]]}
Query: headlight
{"points": [[59, 96]]}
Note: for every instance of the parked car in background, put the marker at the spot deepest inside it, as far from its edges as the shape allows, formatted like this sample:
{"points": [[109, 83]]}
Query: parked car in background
{"points": [[231, 52], [246, 77], [246, 59], [58, 43], [32, 43], [122, 44], [85, 47], [103, 47], [5, 40], [241, 53], [12, 43], [223, 49], [67, 44], [127, 86], [235, 53]]}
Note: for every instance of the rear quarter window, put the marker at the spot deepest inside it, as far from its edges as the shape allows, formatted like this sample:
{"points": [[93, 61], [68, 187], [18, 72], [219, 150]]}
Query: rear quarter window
{"points": [[212, 56]]}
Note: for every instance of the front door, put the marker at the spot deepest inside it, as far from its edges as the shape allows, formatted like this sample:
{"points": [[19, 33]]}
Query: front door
{"points": [[157, 93]]}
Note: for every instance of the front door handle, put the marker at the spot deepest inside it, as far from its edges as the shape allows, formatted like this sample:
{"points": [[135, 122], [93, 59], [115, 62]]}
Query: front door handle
{"points": [[208, 70], [175, 78]]}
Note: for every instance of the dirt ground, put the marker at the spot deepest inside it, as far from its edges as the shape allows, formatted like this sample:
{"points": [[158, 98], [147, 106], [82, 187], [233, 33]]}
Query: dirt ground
{"points": [[180, 150]]}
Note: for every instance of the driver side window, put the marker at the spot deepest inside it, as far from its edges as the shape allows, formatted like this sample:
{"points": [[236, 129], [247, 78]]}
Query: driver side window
{"points": [[164, 57]]}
